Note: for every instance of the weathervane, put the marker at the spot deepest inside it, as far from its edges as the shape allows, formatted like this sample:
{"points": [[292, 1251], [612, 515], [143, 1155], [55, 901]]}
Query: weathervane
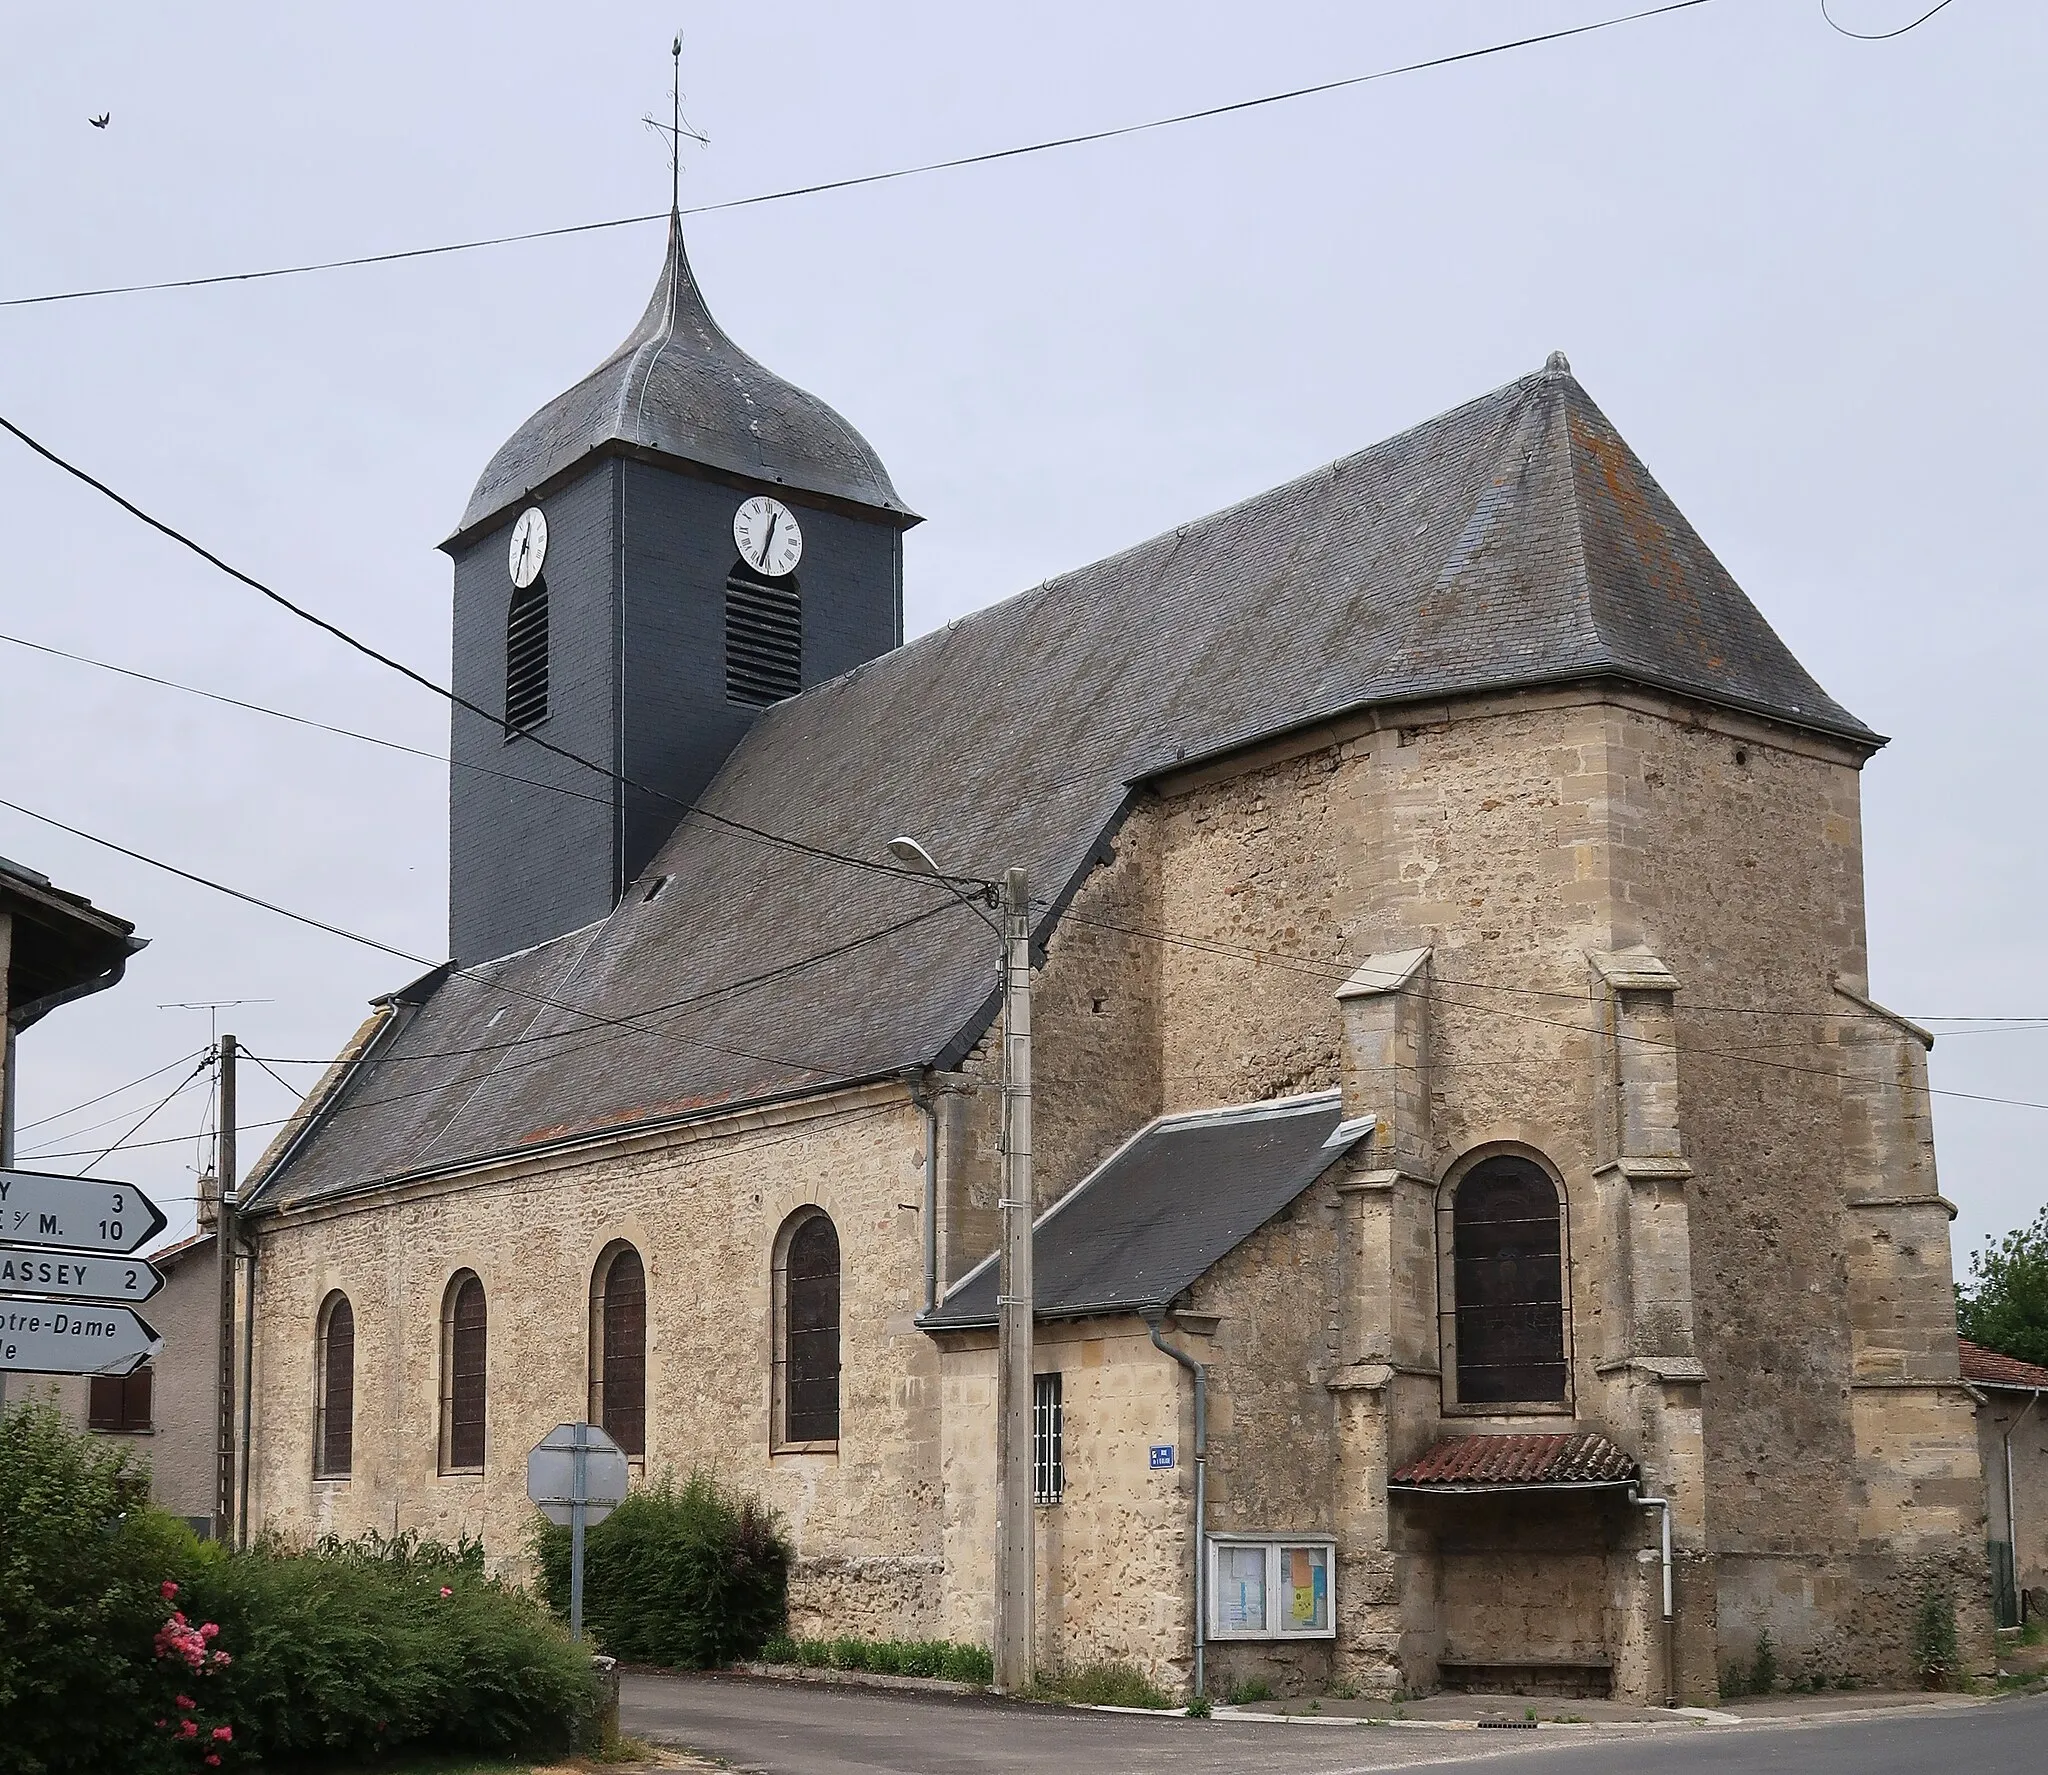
{"points": [[676, 128]]}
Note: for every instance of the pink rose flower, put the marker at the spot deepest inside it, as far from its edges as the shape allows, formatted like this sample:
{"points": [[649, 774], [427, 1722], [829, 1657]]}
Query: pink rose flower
{"points": [[187, 1729], [213, 1762], [167, 1589], [210, 1631], [186, 1702], [445, 1591], [224, 1734]]}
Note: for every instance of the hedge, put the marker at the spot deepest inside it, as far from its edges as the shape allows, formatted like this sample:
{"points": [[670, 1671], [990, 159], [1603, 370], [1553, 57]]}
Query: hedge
{"points": [[690, 1575], [128, 1647]]}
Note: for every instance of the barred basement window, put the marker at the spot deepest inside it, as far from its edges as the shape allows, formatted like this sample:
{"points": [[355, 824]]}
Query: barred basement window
{"points": [[618, 1349], [807, 1333], [526, 659], [464, 1341], [764, 639], [335, 1414], [1048, 1433], [121, 1403]]}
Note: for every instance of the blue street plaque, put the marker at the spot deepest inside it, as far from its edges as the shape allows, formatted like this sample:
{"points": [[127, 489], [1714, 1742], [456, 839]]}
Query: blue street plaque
{"points": [[1162, 1455]]}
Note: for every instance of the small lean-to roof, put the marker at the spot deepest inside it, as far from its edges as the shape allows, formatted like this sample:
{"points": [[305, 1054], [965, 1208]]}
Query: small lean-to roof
{"points": [[678, 387], [64, 947], [1166, 1208], [1478, 1463], [1987, 1368], [1516, 541]]}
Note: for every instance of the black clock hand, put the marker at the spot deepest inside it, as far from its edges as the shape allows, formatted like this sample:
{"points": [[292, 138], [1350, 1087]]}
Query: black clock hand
{"points": [[768, 541]]}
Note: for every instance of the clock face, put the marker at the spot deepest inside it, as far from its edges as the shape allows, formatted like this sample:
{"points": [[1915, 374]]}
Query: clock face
{"points": [[770, 539], [529, 546]]}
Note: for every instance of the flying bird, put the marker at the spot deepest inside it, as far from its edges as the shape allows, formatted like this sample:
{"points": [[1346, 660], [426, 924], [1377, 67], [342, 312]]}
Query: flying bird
{"points": [[102, 120]]}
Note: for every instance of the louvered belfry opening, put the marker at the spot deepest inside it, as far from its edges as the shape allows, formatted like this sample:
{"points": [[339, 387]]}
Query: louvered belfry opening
{"points": [[619, 1405], [526, 658], [467, 1338], [811, 1333], [764, 638], [1509, 1267], [335, 1441]]}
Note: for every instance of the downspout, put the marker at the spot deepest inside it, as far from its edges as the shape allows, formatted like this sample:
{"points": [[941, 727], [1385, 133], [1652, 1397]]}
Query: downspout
{"points": [[248, 1392], [2012, 1529], [1663, 1505], [922, 1094], [1201, 1375]]}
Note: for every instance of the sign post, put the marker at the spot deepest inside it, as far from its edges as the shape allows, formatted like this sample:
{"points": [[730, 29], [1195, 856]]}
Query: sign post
{"points": [[577, 1475]]}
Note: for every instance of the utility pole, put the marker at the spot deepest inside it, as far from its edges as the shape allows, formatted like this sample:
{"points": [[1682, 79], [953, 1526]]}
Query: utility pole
{"points": [[224, 1231], [1016, 1569]]}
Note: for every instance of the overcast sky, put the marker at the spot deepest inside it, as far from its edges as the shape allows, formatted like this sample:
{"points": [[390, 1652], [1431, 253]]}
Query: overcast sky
{"points": [[1802, 274]]}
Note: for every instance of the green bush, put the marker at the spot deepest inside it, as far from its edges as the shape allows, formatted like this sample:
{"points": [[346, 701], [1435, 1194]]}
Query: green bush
{"points": [[891, 1657], [356, 1649], [691, 1575], [126, 1644], [81, 1558], [1250, 1690]]}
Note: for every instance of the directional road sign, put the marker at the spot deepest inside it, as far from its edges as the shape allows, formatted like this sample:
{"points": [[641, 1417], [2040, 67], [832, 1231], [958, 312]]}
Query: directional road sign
{"points": [[551, 1473], [75, 1213], [73, 1275], [56, 1337]]}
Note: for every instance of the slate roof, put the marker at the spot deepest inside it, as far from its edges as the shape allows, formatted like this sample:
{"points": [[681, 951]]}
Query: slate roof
{"points": [[1170, 1204], [680, 387], [1514, 541], [1987, 1368], [1478, 1462]]}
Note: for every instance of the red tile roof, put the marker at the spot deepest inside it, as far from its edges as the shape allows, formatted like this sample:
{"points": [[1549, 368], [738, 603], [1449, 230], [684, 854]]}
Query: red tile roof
{"points": [[1583, 1459], [1989, 1369]]}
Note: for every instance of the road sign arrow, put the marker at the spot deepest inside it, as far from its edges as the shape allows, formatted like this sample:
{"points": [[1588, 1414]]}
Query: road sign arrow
{"points": [[75, 1213], [72, 1275], [57, 1337]]}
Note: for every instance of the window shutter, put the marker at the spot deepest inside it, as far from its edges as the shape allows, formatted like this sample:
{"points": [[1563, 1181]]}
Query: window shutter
{"points": [[104, 1405], [1509, 1269], [764, 640], [526, 657]]}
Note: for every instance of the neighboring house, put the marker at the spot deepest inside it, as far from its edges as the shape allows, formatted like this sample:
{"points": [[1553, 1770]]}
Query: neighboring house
{"points": [[169, 1404], [2012, 1439], [1452, 1035]]}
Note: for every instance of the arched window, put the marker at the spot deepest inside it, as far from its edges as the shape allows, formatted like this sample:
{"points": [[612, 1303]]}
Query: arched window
{"points": [[463, 1342], [618, 1348], [807, 1331], [1507, 1297], [526, 658], [334, 1417]]}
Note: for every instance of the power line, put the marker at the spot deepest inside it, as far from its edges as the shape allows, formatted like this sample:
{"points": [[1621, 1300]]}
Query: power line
{"points": [[474, 975], [278, 598], [906, 172], [59, 1115], [179, 1091], [1879, 36], [347, 733]]}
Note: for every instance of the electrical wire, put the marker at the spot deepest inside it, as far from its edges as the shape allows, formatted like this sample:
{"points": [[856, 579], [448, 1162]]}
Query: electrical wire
{"points": [[847, 184], [342, 635], [474, 975], [1879, 36], [347, 733], [86, 1170], [59, 1115]]}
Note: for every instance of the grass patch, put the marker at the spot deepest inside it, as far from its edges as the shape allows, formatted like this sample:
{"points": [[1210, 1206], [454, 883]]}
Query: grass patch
{"points": [[885, 1657], [1102, 1685], [1249, 1691]]}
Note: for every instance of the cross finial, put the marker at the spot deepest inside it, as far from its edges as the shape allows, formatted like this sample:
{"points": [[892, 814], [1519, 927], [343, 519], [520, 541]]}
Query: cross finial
{"points": [[676, 128]]}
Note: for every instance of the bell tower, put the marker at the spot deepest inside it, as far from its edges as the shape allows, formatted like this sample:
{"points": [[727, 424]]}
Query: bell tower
{"points": [[709, 540]]}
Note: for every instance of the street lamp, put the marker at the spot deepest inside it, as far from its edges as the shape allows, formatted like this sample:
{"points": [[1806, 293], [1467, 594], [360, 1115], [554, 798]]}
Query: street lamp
{"points": [[1016, 1551]]}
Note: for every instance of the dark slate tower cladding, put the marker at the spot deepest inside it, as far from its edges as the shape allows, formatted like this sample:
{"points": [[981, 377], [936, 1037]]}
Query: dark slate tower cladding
{"points": [[644, 642]]}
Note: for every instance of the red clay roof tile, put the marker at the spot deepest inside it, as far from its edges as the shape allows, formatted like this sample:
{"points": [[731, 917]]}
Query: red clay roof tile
{"points": [[1580, 1459], [1989, 1369]]}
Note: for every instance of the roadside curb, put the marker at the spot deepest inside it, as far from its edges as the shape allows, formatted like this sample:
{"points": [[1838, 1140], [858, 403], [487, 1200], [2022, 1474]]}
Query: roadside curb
{"points": [[859, 1679]]}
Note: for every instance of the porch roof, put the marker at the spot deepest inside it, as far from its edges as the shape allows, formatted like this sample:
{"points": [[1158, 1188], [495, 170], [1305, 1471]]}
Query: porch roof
{"points": [[1516, 1463]]}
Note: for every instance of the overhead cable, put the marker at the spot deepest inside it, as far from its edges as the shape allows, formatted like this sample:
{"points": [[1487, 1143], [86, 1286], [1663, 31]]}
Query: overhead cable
{"points": [[904, 172]]}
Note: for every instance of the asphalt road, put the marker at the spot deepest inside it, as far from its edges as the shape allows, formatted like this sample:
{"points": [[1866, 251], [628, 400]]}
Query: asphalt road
{"points": [[814, 1729]]}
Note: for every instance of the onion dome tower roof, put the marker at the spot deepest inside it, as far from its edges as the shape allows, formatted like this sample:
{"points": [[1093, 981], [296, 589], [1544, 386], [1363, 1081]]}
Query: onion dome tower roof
{"points": [[679, 388]]}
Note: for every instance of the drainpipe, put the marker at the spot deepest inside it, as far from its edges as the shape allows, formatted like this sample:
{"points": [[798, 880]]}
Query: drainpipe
{"points": [[1201, 1375], [248, 1392], [926, 1099], [1663, 1505], [2012, 1528]]}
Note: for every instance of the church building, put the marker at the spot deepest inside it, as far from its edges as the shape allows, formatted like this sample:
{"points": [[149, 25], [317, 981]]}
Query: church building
{"points": [[1487, 1232]]}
